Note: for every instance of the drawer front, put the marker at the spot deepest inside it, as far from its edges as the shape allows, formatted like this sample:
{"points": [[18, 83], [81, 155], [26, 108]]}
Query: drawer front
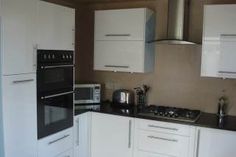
{"points": [[163, 127], [124, 24], [68, 153], [164, 144], [146, 154], [55, 144]]}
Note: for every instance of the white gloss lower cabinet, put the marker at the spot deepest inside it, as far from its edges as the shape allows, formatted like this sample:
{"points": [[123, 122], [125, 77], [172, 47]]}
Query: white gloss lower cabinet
{"points": [[82, 135], [111, 136], [56, 144], [68, 153], [19, 113], [161, 139], [216, 143]]}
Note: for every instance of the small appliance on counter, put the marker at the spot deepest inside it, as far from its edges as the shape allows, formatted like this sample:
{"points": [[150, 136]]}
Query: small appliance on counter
{"points": [[87, 96], [141, 93], [123, 99]]}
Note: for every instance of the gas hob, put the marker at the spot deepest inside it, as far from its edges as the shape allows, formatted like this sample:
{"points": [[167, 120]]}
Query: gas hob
{"points": [[172, 113]]}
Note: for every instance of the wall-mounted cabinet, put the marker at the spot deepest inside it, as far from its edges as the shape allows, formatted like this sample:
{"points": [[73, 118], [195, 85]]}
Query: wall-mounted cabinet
{"points": [[55, 26], [122, 40], [219, 40], [18, 36]]}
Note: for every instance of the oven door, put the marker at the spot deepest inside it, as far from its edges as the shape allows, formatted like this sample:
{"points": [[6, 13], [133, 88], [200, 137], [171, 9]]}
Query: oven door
{"points": [[53, 79], [55, 113]]}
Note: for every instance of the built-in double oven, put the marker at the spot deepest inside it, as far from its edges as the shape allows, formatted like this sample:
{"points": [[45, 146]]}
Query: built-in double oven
{"points": [[54, 91]]}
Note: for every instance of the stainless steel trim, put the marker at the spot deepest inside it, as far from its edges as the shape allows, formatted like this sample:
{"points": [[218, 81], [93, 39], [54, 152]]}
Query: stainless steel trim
{"points": [[227, 72], [23, 81], [56, 66], [77, 138], [117, 35], [161, 138], [55, 95], [161, 127], [61, 138], [116, 66], [129, 140]]}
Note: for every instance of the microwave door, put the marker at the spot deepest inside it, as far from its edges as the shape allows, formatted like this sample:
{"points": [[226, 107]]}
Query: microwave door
{"points": [[84, 95]]}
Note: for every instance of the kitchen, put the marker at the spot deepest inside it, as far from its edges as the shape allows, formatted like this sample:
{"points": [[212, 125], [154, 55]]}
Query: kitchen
{"points": [[176, 81]]}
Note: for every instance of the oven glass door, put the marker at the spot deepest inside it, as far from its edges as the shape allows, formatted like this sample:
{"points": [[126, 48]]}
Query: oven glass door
{"points": [[55, 113], [55, 78]]}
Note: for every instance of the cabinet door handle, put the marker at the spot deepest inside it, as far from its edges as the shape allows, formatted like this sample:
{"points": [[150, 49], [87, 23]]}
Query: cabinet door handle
{"points": [[59, 139], [23, 81], [161, 138], [129, 134], [55, 95], [227, 72], [35, 47], [161, 127], [116, 66], [198, 140], [77, 138], [117, 35]]}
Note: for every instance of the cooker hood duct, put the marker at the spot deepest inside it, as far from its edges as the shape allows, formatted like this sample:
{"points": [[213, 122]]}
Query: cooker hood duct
{"points": [[178, 23]]}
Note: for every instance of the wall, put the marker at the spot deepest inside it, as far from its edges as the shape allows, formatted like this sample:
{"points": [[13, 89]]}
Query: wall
{"points": [[176, 80]]}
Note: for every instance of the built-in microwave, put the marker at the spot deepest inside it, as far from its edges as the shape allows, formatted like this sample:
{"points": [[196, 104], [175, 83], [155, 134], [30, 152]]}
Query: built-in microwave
{"points": [[87, 93]]}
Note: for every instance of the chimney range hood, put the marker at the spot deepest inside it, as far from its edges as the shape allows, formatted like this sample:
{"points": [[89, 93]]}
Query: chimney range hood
{"points": [[178, 23]]}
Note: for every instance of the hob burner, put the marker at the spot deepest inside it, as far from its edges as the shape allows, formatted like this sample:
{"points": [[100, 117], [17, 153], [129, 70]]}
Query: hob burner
{"points": [[173, 113]]}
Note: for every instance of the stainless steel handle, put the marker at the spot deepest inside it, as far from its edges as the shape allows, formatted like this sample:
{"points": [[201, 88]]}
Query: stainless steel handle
{"points": [[228, 35], [161, 127], [23, 81], [129, 140], [227, 72], [35, 47], [117, 35], [198, 140], [116, 66], [77, 138], [161, 138], [55, 95], [56, 66], [61, 138]]}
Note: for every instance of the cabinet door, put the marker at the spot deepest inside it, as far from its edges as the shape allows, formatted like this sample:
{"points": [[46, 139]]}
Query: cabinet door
{"points": [[119, 56], [55, 26], [68, 153], [18, 28], [111, 136], [82, 135], [216, 143], [218, 20], [120, 24], [20, 115]]}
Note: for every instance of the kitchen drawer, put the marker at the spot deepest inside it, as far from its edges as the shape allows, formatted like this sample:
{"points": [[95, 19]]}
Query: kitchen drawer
{"points": [[164, 127], [55, 144], [68, 153], [147, 154], [161, 143]]}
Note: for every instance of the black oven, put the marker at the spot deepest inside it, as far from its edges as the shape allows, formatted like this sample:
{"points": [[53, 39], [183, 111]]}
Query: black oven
{"points": [[54, 91]]}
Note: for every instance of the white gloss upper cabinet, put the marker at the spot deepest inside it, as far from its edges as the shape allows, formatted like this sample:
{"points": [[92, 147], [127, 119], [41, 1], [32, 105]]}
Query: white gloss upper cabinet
{"points": [[218, 20], [216, 143], [55, 26], [219, 39], [121, 24], [19, 113], [122, 40], [17, 36], [111, 136]]}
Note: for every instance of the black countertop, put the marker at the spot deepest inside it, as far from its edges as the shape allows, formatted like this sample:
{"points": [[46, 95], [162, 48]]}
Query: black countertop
{"points": [[208, 120]]}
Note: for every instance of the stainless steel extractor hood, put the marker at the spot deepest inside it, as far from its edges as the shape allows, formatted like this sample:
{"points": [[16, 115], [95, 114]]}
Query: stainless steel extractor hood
{"points": [[178, 23]]}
